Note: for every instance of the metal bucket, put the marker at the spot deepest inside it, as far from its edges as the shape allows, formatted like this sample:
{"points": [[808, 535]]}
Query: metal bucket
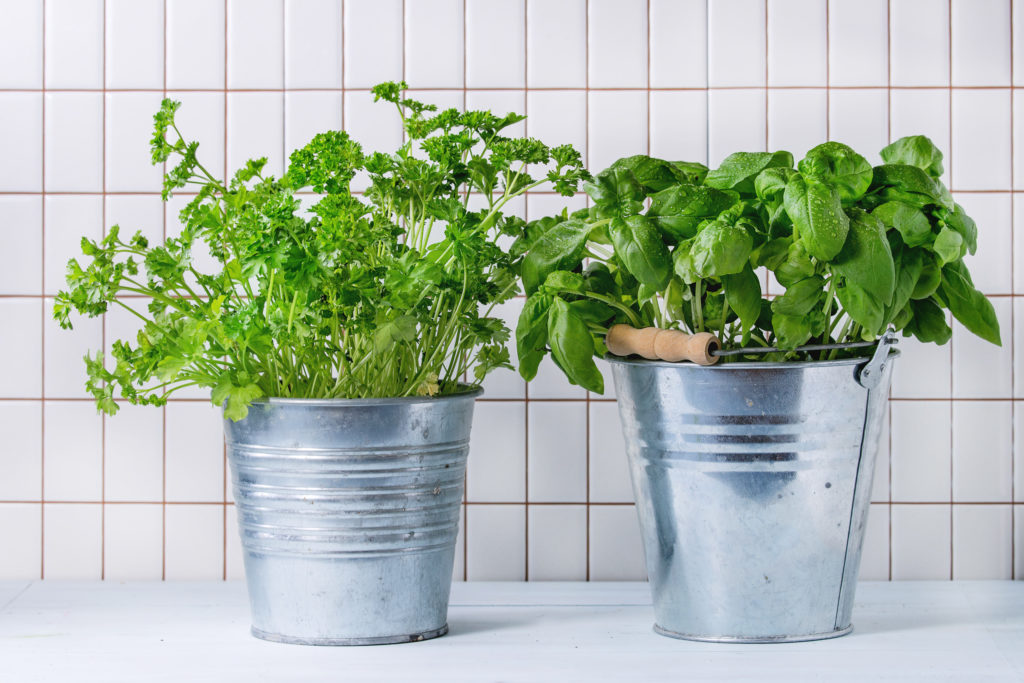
{"points": [[348, 512], [752, 483]]}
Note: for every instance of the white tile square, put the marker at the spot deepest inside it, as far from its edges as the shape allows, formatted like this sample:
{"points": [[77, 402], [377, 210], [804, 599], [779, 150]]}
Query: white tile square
{"points": [[679, 125], [1018, 452], [235, 560], [616, 551], [1017, 28], [21, 43], [557, 457], [860, 119], [605, 368], [980, 369], [609, 465], [497, 462], [1018, 138], [309, 113], [21, 242], [1018, 541], [133, 543], [495, 43], [64, 351], [617, 127], [982, 542], [495, 542], [921, 542], [981, 42], [73, 448], [22, 539], [312, 47], [195, 44], [922, 112], [923, 370], [556, 43], [135, 44], [433, 43], [797, 43], [129, 129], [736, 123], [505, 383], [134, 454], [25, 318], [21, 138], [194, 546], [992, 265], [858, 42], [797, 120], [618, 35], [256, 129], [442, 99], [21, 434], [201, 118], [736, 43], [372, 42], [69, 218], [255, 34], [132, 213], [679, 43], [558, 117], [982, 451], [558, 543], [541, 205], [73, 541], [74, 142], [74, 43], [920, 458], [874, 559], [375, 125], [981, 140], [195, 453], [123, 325], [919, 43], [880, 485]]}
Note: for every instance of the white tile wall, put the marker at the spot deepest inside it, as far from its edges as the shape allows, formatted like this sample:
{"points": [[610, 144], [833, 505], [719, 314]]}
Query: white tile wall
{"points": [[548, 496]]}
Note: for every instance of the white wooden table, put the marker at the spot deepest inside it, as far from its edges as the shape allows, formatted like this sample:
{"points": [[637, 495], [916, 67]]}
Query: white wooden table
{"points": [[188, 632]]}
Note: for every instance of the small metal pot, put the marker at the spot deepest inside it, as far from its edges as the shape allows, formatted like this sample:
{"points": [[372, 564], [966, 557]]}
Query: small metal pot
{"points": [[752, 483], [348, 512]]}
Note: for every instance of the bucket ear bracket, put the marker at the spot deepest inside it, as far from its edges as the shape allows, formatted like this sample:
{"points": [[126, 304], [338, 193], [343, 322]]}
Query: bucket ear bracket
{"points": [[871, 374]]}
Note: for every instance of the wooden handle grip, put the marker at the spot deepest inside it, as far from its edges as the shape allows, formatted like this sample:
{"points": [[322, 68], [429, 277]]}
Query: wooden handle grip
{"points": [[654, 343]]}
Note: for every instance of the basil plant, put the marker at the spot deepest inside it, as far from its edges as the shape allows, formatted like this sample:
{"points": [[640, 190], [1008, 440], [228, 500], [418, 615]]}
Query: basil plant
{"points": [[319, 291], [675, 245]]}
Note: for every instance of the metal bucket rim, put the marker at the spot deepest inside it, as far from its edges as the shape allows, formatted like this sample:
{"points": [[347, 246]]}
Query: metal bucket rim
{"points": [[466, 391], [747, 365]]}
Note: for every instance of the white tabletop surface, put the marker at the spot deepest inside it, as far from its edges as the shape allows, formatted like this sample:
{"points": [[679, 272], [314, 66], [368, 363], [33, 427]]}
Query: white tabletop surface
{"points": [[185, 632]]}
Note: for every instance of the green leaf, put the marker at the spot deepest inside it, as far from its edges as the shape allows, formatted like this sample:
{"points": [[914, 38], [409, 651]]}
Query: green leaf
{"points": [[572, 347], [963, 224], [532, 334], [866, 259], [738, 170], [639, 246], [863, 308], [591, 310], [910, 263], [678, 210], [796, 265], [915, 150], [949, 246], [790, 330], [928, 322], [235, 399], [913, 180], [908, 220], [929, 279], [563, 280], [968, 305], [743, 293], [720, 249], [800, 297], [653, 174], [616, 192], [401, 329], [818, 217], [838, 165], [560, 248]]}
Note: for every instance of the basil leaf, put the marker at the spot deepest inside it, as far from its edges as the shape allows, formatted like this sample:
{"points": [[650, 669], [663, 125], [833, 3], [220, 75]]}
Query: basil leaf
{"points": [[653, 174], [913, 180], [560, 248], [863, 308], [720, 250], [790, 330], [616, 192], [838, 165], [963, 224], [572, 347], [817, 216], [968, 305], [801, 297], [796, 267], [908, 220], [911, 263], [928, 323], [949, 246], [915, 150], [866, 259], [738, 170], [532, 334], [639, 246], [743, 293], [563, 280], [929, 279], [678, 210]]}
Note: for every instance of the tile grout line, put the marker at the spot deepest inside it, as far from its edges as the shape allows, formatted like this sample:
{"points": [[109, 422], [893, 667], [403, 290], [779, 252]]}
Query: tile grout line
{"points": [[952, 341], [564, 88], [465, 475], [42, 316], [505, 503], [586, 145], [888, 138], [103, 320], [526, 394], [163, 408], [1013, 336]]}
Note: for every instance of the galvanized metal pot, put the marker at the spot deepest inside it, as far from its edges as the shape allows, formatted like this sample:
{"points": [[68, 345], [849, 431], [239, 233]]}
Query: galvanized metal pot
{"points": [[752, 484], [348, 512]]}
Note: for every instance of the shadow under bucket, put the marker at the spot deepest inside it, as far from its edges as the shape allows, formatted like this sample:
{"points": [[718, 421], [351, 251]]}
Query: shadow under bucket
{"points": [[348, 512], [752, 483]]}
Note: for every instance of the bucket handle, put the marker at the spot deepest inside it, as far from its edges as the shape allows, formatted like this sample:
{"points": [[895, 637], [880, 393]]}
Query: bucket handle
{"points": [[871, 374]]}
